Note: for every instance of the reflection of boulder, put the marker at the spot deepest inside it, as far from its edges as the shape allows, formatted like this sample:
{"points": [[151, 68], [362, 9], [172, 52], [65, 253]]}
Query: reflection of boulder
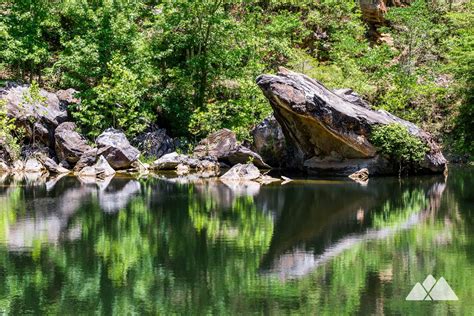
{"points": [[323, 224], [116, 195], [50, 207]]}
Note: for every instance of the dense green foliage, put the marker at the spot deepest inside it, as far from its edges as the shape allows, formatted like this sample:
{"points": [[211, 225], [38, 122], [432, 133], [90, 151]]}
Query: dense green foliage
{"points": [[394, 140], [9, 134], [190, 65]]}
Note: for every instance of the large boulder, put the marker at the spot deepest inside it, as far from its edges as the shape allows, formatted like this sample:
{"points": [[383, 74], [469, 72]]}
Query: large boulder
{"points": [[269, 142], [223, 146], [154, 142], [332, 134], [39, 119], [115, 147], [69, 144]]}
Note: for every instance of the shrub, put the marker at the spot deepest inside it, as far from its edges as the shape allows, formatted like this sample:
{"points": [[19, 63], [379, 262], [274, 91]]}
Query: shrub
{"points": [[396, 142], [9, 134]]}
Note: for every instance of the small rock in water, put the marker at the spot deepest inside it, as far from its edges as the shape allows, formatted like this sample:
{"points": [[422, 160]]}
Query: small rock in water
{"points": [[361, 176], [285, 180], [264, 179], [242, 172]]}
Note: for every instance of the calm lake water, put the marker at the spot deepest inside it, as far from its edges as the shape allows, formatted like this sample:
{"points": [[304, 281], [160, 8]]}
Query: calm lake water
{"points": [[163, 246]]}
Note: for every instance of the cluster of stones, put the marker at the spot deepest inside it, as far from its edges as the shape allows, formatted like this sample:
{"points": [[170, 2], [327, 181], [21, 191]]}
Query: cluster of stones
{"points": [[60, 149]]}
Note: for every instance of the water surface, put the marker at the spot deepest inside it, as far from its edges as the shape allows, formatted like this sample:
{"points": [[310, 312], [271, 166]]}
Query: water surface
{"points": [[160, 245]]}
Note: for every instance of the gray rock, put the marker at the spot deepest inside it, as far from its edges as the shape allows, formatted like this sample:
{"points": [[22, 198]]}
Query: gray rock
{"points": [[100, 170], [39, 120], [172, 160], [331, 134], [182, 169], [242, 172], [18, 166], [69, 144], [223, 146], [353, 97], [33, 165], [209, 166], [115, 147], [361, 176], [53, 167], [154, 143], [88, 158], [269, 142]]}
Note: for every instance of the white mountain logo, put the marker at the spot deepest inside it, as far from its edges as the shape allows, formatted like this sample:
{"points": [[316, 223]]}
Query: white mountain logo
{"points": [[432, 290]]}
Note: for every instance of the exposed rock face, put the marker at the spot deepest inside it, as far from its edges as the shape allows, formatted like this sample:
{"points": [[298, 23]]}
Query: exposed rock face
{"points": [[69, 144], [269, 142], [223, 146], [154, 143], [115, 147], [40, 119], [242, 172], [332, 134], [350, 96]]}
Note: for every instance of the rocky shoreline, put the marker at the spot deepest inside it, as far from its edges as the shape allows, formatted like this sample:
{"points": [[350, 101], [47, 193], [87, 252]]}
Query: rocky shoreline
{"points": [[313, 129]]}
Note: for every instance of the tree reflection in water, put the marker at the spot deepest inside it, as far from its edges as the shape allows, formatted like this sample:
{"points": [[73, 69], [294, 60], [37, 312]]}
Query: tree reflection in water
{"points": [[163, 246]]}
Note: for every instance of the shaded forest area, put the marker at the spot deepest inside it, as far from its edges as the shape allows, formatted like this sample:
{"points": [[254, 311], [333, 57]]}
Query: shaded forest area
{"points": [[190, 66]]}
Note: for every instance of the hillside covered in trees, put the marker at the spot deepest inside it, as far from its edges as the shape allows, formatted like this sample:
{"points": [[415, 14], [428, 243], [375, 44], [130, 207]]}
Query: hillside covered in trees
{"points": [[190, 66]]}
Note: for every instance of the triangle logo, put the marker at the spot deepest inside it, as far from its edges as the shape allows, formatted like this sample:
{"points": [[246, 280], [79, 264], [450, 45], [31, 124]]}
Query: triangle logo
{"points": [[432, 290]]}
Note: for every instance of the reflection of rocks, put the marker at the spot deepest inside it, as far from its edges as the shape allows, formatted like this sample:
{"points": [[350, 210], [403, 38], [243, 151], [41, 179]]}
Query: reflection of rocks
{"points": [[48, 216], [114, 198], [312, 229]]}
